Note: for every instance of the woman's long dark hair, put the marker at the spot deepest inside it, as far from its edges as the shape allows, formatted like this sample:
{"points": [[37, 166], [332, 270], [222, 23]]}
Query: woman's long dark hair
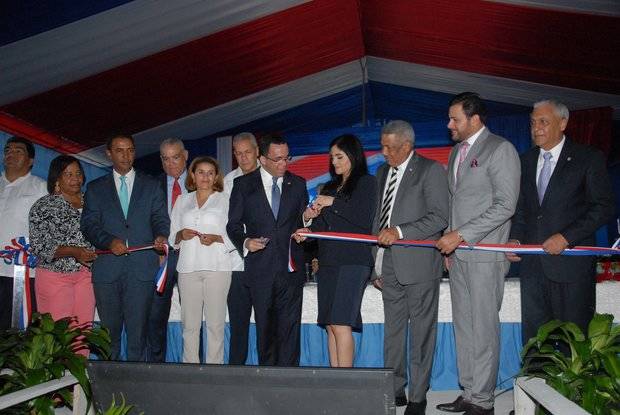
{"points": [[351, 146]]}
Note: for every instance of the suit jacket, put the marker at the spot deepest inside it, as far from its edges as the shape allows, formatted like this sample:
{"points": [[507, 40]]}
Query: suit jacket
{"points": [[485, 194], [173, 254], [249, 206], [578, 201], [103, 220], [352, 214], [421, 211]]}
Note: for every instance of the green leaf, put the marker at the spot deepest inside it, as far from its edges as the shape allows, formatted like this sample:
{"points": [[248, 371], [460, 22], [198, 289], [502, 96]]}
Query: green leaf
{"points": [[611, 363], [546, 329], [600, 325]]}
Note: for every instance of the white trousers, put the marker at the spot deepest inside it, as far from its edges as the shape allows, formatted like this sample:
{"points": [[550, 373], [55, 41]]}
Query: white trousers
{"points": [[204, 292]]}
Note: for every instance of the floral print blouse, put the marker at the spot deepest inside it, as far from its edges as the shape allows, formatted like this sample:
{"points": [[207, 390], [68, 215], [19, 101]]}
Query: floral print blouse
{"points": [[53, 223]]}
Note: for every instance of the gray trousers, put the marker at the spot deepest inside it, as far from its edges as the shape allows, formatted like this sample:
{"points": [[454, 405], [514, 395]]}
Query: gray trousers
{"points": [[413, 307], [477, 290]]}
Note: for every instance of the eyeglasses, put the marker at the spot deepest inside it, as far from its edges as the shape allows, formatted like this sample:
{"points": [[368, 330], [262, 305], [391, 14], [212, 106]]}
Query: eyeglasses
{"points": [[286, 159]]}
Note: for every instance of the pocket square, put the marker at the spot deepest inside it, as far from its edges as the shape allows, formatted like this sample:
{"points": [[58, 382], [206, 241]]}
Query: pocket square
{"points": [[474, 163]]}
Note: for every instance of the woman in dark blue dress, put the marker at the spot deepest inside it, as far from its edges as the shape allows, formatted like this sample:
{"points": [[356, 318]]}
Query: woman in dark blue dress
{"points": [[347, 203]]}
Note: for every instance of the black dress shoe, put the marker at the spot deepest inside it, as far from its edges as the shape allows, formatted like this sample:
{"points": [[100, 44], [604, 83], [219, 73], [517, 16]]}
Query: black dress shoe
{"points": [[459, 405], [478, 410], [416, 408], [400, 400]]}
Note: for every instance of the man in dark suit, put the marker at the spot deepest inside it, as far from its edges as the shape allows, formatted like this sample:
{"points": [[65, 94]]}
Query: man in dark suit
{"points": [[413, 204], [565, 197], [266, 207], [173, 160], [122, 209]]}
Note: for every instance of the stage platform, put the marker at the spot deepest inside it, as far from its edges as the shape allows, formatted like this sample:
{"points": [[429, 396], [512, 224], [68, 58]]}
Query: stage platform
{"points": [[369, 343]]}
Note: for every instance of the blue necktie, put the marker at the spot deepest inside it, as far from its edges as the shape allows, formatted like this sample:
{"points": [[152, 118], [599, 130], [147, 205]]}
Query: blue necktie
{"points": [[275, 197], [123, 196], [545, 175]]}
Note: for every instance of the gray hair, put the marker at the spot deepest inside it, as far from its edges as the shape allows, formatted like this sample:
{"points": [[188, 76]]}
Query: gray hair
{"points": [[171, 142], [401, 129], [245, 136], [559, 108]]}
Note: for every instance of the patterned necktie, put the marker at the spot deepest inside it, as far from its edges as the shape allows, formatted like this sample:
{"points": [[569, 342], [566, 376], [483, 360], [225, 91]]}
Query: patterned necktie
{"points": [[462, 155], [275, 197], [545, 175], [176, 191], [386, 206], [123, 195]]}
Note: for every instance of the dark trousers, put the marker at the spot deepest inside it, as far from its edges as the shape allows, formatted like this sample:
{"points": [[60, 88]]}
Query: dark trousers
{"points": [[127, 303], [239, 313], [543, 300], [6, 301], [157, 329], [277, 313]]}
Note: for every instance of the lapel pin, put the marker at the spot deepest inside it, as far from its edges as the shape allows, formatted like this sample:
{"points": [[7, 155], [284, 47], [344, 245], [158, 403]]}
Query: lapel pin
{"points": [[474, 163], [569, 159]]}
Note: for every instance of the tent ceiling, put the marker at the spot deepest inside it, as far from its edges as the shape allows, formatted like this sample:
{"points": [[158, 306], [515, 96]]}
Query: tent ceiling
{"points": [[192, 68]]}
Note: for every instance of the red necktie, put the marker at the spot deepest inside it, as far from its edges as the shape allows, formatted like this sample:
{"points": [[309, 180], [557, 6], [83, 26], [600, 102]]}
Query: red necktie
{"points": [[176, 191]]}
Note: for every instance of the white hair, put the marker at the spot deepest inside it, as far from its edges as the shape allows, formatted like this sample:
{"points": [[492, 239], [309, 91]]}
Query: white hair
{"points": [[171, 142], [401, 129], [245, 136], [560, 109]]}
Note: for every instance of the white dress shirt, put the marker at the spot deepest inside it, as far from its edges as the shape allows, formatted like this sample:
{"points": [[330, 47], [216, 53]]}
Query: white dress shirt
{"points": [[16, 199], [211, 218], [471, 140], [130, 177], [399, 178], [555, 156], [268, 183]]}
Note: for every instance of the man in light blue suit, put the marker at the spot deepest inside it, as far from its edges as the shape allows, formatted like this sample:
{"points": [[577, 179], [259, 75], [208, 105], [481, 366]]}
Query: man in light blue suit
{"points": [[122, 209]]}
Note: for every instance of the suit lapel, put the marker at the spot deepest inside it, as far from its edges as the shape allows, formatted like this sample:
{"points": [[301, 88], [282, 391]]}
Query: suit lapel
{"points": [[258, 179], [136, 193], [407, 178], [115, 200], [472, 154], [286, 199], [566, 156]]}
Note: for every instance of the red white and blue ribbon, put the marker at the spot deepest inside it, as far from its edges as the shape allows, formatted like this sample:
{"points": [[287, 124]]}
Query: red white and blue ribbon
{"points": [[162, 273], [506, 248], [291, 263], [18, 254]]}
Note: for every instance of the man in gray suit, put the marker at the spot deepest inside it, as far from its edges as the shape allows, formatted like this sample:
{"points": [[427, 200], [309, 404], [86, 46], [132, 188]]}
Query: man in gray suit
{"points": [[413, 197], [483, 177]]}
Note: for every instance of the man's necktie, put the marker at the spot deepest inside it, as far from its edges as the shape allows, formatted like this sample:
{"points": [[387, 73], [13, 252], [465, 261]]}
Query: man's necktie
{"points": [[176, 191], [462, 155], [545, 175], [123, 195], [275, 197], [386, 206]]}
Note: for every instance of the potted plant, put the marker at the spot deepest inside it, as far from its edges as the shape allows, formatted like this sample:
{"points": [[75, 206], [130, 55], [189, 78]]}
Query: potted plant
{"points": [[588, 373], [43, 352]]}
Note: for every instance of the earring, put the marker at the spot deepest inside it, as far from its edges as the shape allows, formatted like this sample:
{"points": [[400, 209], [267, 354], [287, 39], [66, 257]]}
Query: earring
{"points": [[57, 188]]}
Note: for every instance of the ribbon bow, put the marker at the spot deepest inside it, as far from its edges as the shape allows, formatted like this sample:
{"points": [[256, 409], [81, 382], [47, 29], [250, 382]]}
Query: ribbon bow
{"points": [[18, 253]]}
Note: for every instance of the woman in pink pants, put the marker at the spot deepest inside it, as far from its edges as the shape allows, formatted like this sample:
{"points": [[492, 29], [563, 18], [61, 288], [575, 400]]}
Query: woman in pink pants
{"points": [[63, 284]]}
